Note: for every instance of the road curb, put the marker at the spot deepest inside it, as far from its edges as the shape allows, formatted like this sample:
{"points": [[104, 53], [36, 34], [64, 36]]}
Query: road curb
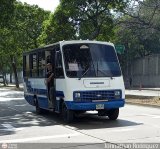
{"points": [[144, 105], [139, 97], [149, 89]]}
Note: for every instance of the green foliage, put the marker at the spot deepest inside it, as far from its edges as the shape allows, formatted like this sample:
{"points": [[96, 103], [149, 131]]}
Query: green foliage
{"points": [[21, 34], [57, 28], [6, 11], [28, 22], [139, 32], [79, 19]]}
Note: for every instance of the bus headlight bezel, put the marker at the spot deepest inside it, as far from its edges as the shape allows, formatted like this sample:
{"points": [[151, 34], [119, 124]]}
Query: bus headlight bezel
{"points": [[117, 94], [77, 96]]}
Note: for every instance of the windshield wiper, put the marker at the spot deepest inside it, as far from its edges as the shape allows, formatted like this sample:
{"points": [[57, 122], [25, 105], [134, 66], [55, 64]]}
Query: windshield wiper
{"points": [[105, 74], [84, 73]]}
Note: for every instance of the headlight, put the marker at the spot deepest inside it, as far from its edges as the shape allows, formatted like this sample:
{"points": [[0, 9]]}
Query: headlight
{"points": [[77, 95], [117, 94]]}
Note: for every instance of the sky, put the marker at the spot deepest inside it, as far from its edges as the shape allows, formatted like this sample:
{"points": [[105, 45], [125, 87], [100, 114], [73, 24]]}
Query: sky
{"points": [[45, 4]]}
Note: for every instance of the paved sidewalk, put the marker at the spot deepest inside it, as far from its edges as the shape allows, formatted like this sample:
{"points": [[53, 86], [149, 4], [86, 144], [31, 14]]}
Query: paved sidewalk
{"points": [[143, 92], [12, 87]]}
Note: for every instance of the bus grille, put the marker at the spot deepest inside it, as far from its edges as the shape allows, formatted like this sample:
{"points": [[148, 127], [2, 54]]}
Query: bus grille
{"points": [[89, 96]]}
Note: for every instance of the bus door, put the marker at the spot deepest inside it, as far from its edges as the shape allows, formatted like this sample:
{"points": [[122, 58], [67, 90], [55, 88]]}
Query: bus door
{"points": [[59, 75], [50, 77]]}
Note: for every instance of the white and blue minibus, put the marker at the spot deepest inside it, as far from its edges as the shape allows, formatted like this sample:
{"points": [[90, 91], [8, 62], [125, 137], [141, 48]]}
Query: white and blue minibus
{"points": [[87, 77]]}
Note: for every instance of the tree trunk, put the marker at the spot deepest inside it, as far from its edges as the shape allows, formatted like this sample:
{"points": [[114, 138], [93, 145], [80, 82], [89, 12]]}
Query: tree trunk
{"points": [[10, 77], [5, 79], [15, 71], [11, 73], [4, 82]]}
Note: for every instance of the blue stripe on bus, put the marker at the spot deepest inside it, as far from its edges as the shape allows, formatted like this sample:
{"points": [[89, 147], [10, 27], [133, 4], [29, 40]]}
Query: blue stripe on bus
{"points": [[92, 106], [29, 99], [40, 91], [43, 92], [37, 91], [43, 102]]}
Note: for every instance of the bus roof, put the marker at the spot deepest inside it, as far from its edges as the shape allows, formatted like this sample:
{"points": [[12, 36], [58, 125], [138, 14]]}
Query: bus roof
{"points": [[64, 42], [40, 48], [84, 41]]}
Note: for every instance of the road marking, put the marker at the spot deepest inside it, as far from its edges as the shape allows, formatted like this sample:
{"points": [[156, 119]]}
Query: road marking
{"points": [[40, 138], [10, 99], [9, 127], [122, 130], [152, 115], [20, 105]]}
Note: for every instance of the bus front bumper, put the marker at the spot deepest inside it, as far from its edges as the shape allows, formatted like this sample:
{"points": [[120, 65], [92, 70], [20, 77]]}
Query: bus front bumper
{"points": [[94, 105]]}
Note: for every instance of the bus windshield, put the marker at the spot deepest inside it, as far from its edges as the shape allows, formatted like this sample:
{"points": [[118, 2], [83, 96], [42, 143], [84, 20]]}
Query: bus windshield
{"points": [[90, 60]]}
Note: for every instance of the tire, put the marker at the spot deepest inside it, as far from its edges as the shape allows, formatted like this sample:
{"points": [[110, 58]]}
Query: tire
{"points": [[102, 112], [67, 115], [113, 114]]}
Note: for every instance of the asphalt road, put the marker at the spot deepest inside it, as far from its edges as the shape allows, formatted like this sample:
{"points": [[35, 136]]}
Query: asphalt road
{"points": [[22, 128]]}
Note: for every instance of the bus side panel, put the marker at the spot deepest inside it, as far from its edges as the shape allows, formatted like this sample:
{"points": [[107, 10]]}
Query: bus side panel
{"points": [[29, 98], [35, 88], [43, 102], [28, 95], [60, 90]]}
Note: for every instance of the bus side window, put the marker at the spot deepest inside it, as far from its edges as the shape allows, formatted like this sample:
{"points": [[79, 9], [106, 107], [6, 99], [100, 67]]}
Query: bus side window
{"points": [[48, 56], [26, 69], [34, 65], [41, 64], [24, 66], [59, 67]]}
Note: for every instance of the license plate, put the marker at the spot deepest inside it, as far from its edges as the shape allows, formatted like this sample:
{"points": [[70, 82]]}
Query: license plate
{"points": [[99, 106]]}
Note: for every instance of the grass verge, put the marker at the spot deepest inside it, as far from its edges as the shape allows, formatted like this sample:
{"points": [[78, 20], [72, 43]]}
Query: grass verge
{"points": [[143, 100]]}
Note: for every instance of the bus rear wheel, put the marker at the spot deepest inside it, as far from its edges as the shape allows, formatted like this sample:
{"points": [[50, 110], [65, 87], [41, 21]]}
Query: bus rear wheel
{"points": [[38, 109], [113, 114], [67, 115]]}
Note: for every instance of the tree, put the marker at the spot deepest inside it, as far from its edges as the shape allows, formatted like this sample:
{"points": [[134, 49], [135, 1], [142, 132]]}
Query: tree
{"points": [[6, 11], [28, 22], [138, 30], [57, 28], [143, 26], [90, 19], [21, 35]]}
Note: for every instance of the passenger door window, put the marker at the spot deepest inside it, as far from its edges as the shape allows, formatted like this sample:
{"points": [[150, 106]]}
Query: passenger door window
{"points": [[59, 67]]}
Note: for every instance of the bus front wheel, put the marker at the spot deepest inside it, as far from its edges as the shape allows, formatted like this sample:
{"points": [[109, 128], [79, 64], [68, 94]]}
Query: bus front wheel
{"points": [[67, 114], [113, 114]]}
